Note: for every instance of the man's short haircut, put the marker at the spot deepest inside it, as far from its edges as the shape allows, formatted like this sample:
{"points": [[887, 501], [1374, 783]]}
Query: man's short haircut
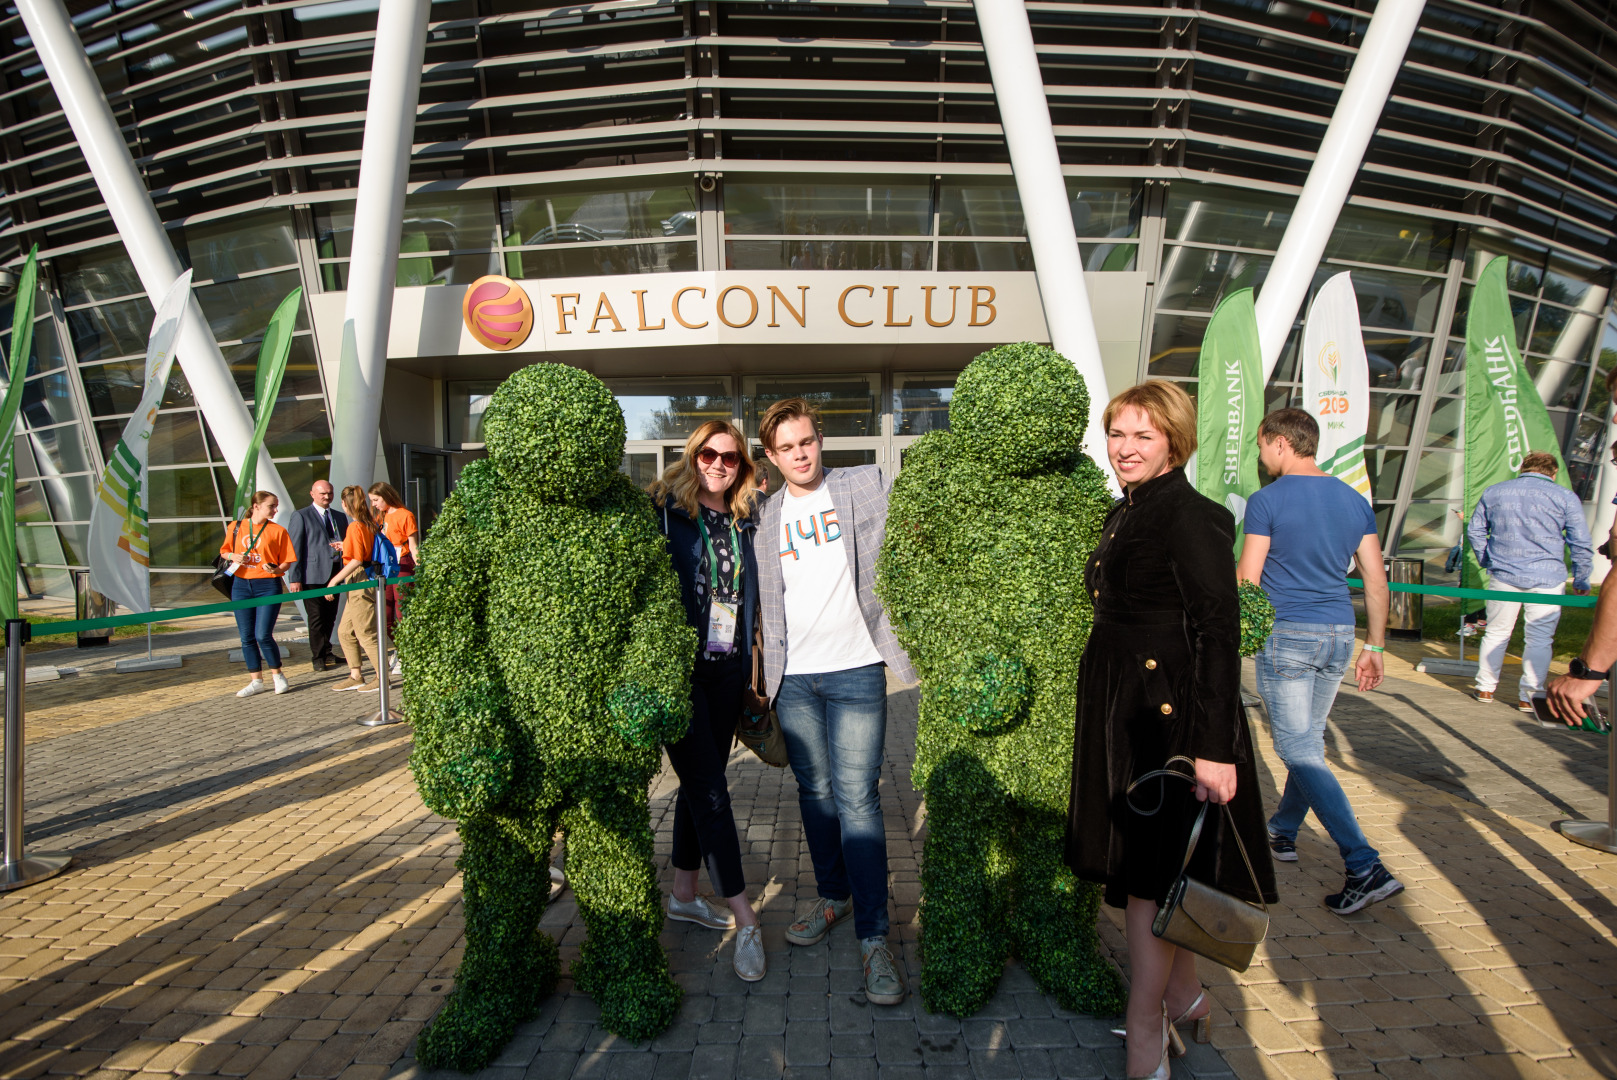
{"points": [[781, 411], [1541, 461], [1170, 410], [1300, 430]]}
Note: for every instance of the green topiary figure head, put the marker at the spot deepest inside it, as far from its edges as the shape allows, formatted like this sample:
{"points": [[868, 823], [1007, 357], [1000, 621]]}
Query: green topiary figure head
{"points": [[1020, 409], [555, 431]]}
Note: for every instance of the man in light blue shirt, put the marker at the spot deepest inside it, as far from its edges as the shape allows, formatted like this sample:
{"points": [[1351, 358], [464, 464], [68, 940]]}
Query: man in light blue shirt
{"points": [[1520, 532]]}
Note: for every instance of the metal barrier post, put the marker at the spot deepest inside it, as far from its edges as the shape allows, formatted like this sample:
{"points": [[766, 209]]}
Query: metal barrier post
{"points": [[384, 715], [17, 870], [1601, 835]]}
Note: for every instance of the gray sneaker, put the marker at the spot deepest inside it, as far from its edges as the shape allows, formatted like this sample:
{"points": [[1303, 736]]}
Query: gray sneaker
{"points": [[749, 958], [883, 986], [700, 912], [814, 919]]}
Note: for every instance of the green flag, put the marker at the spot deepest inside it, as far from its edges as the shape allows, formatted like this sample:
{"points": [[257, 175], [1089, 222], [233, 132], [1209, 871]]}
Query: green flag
{"points": [[272, 354], [1504, 416], [1229, 405], [22, 340]]}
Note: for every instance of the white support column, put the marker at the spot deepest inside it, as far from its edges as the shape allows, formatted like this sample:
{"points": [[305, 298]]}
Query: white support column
{"points": [[1013, 64], [141, 230], [384, 169], [1341, 152]]}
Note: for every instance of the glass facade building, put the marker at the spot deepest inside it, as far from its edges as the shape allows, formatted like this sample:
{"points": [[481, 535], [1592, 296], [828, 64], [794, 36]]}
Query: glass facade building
{"points": [[629, 139]]}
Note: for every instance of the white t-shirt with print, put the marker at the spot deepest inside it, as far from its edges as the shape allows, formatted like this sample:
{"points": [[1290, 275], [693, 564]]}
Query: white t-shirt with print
{"points": [[825, 630]]}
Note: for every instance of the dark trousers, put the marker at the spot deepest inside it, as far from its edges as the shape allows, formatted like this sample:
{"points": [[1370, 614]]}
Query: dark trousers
{"points": [[256, 626], [322, 614], [704, 826]]}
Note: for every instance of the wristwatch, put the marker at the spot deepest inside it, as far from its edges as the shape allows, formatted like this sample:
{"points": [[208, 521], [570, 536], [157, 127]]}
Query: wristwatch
{"points": [[1579, 670]]}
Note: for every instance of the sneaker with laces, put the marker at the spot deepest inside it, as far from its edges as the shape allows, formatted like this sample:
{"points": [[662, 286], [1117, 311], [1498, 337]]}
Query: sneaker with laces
{"points": [[255, 687], [883, 985], [351, 683], [749, 959], [1372, 886], [1283, 850], [701, 911], [814, 919], [281, 685]]}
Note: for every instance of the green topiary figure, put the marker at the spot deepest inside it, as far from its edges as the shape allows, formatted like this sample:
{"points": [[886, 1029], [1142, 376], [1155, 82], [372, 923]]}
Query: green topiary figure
{"points": [[547, 658], [988, 529]]}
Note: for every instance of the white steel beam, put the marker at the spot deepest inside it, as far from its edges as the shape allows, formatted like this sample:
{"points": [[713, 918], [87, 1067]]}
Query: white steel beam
{"points": [[134, 215], [1013, 65], [1341, 153], [384, 170]]}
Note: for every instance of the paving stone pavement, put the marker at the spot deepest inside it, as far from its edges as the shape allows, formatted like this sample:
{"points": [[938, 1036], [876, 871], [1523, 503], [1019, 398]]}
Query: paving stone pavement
{"points": [[260, 892]]}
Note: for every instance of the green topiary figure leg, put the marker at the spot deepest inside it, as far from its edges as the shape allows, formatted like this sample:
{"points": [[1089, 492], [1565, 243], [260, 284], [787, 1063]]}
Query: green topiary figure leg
{"points": [[965, 868], [621, 963], [510, 964], [1053, 930]]}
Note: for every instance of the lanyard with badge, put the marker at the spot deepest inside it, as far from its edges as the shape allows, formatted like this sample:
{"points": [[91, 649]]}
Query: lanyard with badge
{"points": [[721, 616], [252, 538]]}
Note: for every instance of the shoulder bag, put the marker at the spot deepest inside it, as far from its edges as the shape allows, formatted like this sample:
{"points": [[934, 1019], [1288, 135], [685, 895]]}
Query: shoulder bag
{"points": [[757, 728], [1198, 917], [224, 570]]}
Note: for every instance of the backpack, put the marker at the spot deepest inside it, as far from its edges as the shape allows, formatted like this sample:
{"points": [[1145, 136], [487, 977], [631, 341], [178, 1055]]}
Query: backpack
{"points": [[384, 560]]}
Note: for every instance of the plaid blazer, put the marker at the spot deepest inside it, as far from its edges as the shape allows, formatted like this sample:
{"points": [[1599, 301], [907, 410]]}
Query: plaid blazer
{"points": [[860, 497]]}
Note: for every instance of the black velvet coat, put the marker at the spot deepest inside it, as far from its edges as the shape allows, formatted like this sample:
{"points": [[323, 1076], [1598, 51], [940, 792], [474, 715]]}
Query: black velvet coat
{"points": [[1161, 675]]}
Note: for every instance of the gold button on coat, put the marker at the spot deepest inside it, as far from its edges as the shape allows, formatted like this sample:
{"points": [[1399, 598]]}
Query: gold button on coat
{"points": [[1150, 665], [1166, 709]]}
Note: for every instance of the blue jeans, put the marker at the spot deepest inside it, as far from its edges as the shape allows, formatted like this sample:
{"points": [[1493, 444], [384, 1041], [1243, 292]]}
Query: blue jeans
{"points": [[835, 726], [256, 625], [1299, 669]]}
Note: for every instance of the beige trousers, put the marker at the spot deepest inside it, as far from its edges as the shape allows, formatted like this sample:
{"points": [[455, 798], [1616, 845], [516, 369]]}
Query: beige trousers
{"points": [[359, 628]]}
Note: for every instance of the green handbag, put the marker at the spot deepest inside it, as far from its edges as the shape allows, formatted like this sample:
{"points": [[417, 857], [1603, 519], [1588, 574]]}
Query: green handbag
{"points": [[1198, 917]]}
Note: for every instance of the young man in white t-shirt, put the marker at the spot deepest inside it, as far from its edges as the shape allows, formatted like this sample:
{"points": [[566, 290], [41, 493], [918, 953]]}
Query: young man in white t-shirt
{"points": [[827, 648]]}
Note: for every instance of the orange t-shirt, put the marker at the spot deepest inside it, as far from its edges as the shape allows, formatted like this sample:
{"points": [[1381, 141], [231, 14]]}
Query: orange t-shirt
{"points": [[357, 543], [398, 526], [273, 547]]}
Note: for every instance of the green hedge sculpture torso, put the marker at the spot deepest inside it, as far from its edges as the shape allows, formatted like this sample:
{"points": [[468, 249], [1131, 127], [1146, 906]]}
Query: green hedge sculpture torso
{"points": [[547, 658], [988, 530]]}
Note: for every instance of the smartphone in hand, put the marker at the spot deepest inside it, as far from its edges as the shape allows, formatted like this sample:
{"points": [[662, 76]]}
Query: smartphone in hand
{"points": [[1593, 719]]}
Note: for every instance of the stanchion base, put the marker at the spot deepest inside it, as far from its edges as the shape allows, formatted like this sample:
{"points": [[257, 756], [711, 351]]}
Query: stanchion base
{"points": [[1440, 666], [1595, 834], [33, 868], [393, 716], [154, 664]]}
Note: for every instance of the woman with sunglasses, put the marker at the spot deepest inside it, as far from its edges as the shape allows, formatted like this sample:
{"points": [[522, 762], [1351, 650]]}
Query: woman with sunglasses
{"points": [[705, 507]]}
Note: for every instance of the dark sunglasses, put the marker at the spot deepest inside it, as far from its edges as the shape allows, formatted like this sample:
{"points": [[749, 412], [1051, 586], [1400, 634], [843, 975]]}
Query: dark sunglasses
{"points": [[707, 456]]}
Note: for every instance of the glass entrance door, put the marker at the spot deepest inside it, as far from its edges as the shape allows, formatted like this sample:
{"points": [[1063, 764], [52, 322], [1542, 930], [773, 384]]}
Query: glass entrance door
{"points": [[426, 482]]}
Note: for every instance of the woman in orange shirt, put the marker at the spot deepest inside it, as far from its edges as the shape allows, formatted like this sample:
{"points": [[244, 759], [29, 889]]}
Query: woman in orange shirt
{"points": [[399, 526], [359, 612], [261, 552]]}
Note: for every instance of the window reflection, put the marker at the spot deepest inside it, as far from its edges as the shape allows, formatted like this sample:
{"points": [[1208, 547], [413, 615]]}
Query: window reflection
{"points": [[670, 408], [848, 404], [467, 401], [921, 403], [883, 206], [569, 215]]}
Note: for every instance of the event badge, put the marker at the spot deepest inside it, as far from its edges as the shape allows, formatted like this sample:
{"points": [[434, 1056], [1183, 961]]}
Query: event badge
{"points": [[721, 627]]}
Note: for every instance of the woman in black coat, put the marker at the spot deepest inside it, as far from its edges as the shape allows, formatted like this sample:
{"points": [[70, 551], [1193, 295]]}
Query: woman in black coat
{"points": [[1160, 676]]}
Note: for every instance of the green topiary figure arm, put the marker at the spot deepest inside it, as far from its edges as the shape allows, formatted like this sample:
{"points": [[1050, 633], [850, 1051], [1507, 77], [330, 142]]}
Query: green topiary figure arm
{"points": [[650, 697], [971, 672], [465, 757]]}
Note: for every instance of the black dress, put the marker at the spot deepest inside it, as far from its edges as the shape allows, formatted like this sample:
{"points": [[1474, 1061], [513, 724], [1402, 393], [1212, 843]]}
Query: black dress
{"points": [[1161, 675]]}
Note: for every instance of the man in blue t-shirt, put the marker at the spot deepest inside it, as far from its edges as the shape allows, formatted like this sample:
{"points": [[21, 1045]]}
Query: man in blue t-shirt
{"points": [[1303, 533]]}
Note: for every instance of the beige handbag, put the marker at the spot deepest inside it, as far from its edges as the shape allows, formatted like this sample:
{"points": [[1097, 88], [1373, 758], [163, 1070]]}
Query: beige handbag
{"points": [[1198, 917], [757, 728]]}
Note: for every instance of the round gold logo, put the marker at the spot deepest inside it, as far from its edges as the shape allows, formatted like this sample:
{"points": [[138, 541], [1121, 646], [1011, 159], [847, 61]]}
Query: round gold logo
{"points": [[498, 313]]}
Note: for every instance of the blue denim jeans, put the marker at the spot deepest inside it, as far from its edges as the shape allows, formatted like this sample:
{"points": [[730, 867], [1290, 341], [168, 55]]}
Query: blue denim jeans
{"points": [[1299, 669], [256, 625], [835, 726]]}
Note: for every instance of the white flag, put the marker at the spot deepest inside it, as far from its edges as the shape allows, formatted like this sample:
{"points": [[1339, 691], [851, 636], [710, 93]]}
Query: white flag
{"points": [[120, 539], [1336, 382]]}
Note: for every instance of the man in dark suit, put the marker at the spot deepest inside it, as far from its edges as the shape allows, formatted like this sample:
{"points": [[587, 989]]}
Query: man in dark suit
{"points": [[317, 532]]}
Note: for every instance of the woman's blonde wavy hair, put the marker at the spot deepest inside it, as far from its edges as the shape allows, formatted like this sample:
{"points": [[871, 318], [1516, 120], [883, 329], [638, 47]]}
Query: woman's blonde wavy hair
{"points": [[682, 481]]}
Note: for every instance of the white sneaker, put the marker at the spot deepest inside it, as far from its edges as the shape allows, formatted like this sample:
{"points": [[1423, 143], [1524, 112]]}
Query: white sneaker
{"points": [[255, 687], [281, 685], [395, 669]]}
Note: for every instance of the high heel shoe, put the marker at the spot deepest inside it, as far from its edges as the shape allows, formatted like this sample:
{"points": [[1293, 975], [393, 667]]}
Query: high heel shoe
{"points": [[1175, 1044], [1201, 1028], [1161, 1072]]}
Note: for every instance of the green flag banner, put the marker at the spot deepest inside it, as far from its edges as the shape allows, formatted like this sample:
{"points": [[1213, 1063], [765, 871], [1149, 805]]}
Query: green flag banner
{"points": [[1229, 405], [22, 341], [1505, 418], [272, 355]]}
